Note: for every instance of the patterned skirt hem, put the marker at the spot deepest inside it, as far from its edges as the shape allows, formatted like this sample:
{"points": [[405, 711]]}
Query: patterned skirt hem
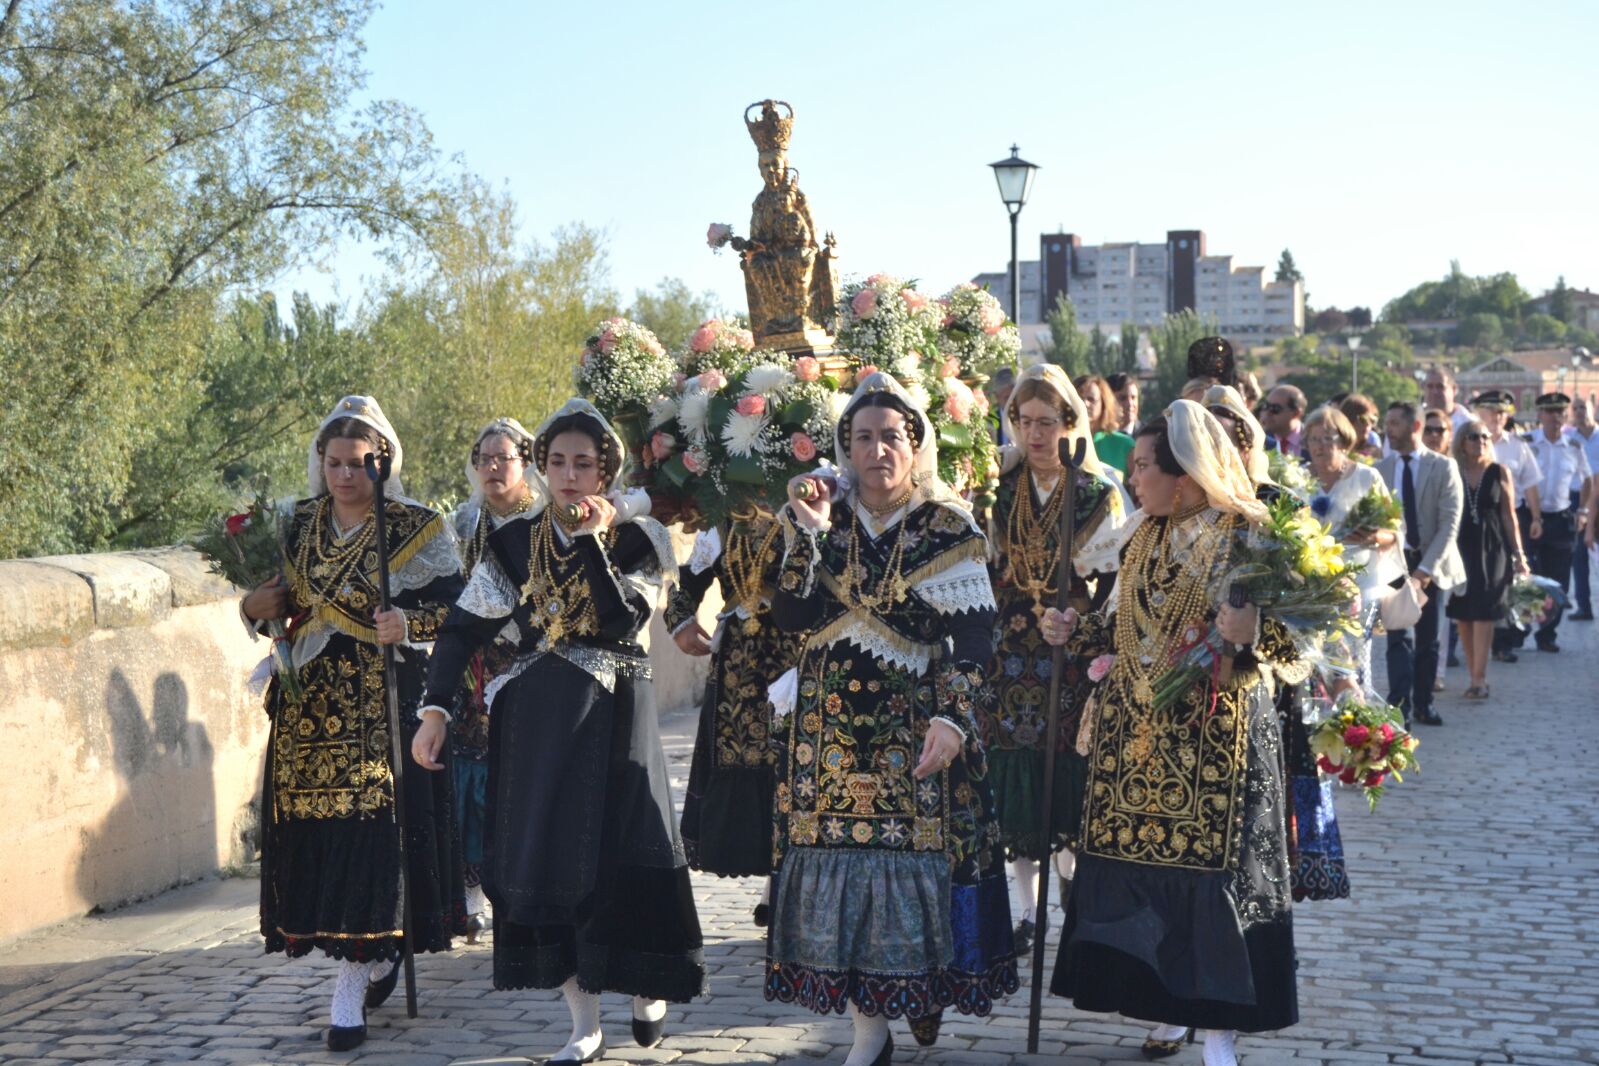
{"points": [[892, 995]]}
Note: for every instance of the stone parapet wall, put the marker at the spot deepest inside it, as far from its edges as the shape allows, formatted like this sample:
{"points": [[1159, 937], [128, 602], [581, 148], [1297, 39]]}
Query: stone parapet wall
{"points": [[133, 747]]}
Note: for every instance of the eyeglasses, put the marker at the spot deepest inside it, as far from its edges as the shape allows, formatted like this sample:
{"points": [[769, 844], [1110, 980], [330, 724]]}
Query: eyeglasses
{"points": [[1273, 408], [1047, 425], [487, 462], [1325, 442], [1478, 436], [1433, 431]]}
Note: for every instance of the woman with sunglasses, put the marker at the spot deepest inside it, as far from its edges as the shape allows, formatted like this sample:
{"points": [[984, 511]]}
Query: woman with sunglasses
{"points": [[1490, 547]]}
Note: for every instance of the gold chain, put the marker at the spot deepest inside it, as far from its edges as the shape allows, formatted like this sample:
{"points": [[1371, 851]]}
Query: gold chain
{"points": [[1157, 604], [893, 505], [892, 588], [1032, 564], [745, 565], [332, 567], [480, 536], [562, 607]]}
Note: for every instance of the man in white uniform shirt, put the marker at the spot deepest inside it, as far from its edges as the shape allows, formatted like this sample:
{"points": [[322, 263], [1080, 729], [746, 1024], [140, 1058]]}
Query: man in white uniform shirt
{"points": [[1585, 431], [1516, 456], [1563, 465]]}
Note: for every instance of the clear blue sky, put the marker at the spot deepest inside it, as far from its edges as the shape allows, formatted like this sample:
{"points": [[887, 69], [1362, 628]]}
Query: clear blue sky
{"points": [[1376, 140]]}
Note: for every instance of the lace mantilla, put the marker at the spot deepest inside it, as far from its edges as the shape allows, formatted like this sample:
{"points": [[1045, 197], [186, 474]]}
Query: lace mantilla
{"points": [[913, 658], [962, 587], [439, 557], [489, 592]]}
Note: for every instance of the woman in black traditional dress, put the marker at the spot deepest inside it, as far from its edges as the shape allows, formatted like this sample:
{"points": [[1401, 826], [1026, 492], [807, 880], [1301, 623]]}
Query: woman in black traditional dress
{"points": [[1490, 548], [583, 862], [727, 809], [889, 895], [1180, 913], [330, 860], [1043, 409]]}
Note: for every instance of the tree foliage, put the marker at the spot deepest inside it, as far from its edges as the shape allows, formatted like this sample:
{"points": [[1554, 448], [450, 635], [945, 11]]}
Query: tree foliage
{"points": [[152, 157], [1068, 346], [1457, 295], [1323, 373], [1171, 340], [1287, 270]]}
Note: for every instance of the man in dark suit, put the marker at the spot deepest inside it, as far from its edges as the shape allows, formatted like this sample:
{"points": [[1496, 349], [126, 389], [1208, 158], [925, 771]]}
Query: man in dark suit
{"points": [[1431, 495]]}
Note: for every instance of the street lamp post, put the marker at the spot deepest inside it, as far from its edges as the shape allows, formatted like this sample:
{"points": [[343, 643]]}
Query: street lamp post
{"points": [[1354, 364], [1015, 179]]}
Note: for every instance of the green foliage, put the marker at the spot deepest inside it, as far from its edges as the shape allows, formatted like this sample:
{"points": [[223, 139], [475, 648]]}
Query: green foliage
{"points": [[672, 312], [1287, 270], [1560, 303], [153, 156], [1104, 357], [1068, 347], [1458, 295], [1171, 340], [1545, 329], [1322, 374], [1128, 363], [1482, 330]]}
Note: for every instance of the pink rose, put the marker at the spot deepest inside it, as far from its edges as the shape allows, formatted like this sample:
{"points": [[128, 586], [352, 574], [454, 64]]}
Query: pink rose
{"points": [[607, 341], [694, 460], [677, 380], [1100, 667], [980, 403], [806, 368], [751, 405], [991, 318], [877, 280], [864, 372], [704, 338], [864, 304], [653, 345], [914, 301], [718, 234], [712, 380], [803, 447], [950, 369], [744, 339], [1356, 735], [661, 445], [958, 402]]}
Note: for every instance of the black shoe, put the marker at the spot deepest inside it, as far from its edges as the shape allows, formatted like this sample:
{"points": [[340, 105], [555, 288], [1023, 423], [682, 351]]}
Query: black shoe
{"points": [[378, 992], [925, 1028], [1580, 616], [593, 1056], [763, 915], [1506, 657], [647, 1033], [1430, 718], [1453, 660], [1024, 936], [347, 1037], [1165, 1049], [1548, 646]]}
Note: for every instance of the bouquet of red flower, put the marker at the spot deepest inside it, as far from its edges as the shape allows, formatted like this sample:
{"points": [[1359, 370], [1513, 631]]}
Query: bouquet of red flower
{"points": [[246, 549], [1364, 744], [1533, 599]]}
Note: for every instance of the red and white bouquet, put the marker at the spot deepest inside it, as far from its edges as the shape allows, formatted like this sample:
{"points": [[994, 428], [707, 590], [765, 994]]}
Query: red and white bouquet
{"points": [[1365, 745]]}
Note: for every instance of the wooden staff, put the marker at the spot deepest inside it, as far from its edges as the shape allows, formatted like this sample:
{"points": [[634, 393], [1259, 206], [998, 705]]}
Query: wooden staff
{"points": [[1071, 459], [378, 469]]}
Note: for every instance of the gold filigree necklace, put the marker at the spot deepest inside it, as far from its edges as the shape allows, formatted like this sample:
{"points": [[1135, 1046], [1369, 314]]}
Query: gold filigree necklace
{"points": [[562, 607], [326, 562], [1032, 564], [745, 565], [893, 587]]}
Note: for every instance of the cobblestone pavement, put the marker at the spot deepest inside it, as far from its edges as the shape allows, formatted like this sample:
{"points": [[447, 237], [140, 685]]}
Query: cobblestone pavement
{"points": [[1470, 938]]}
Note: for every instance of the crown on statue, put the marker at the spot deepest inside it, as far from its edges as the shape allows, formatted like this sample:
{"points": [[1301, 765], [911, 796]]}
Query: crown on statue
{"points": [[771, 134]]}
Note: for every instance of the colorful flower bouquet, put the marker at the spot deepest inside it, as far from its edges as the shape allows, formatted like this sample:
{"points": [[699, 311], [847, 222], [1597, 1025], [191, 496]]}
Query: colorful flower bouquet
{"points": [[719, 345], [622, 371], [886, 324], [976, 332], [246, 549], [1533, 599], [1364, 744], [1294, 571], [1293, 475], [725, 442]]}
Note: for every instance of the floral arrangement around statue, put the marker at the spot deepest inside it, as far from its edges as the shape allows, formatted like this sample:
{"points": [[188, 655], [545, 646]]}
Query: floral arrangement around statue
{"points": [[624, 368], [885, 324], [976, 332], [1364, 744], [246, 549]]}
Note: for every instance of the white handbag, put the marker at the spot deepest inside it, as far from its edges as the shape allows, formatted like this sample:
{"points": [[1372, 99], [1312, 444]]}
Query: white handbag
{"points": [[1401, 608]]}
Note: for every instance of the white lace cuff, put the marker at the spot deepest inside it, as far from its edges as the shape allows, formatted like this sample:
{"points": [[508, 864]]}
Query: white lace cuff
{"points": [[952, 724], [421, 712]]}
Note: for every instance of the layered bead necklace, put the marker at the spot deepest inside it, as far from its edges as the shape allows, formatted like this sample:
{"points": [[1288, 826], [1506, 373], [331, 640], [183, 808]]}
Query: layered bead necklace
{"points": [[1032, 563], [561, 607], [893, 586], [745, 565], [326, 561]]}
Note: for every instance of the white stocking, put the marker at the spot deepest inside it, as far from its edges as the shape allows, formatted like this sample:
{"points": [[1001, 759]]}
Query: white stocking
{"points": [[1066, 863], [1026, 874], [766, 892], [349, 994], [585, 1008], [871, 1033], [476, 901], [1168, 1032], [1219, 1049], [648, 1010]]}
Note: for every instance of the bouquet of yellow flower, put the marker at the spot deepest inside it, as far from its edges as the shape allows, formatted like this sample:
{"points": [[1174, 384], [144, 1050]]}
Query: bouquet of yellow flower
{"points": [[1364, 744], [1293, 570]]}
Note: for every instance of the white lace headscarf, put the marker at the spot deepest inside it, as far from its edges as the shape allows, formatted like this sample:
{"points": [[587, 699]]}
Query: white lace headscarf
{"points": [[362, 409], [1256, 465], [927, 486], [1202, 449], [518, 435], [536, 480], [1055, 380]]}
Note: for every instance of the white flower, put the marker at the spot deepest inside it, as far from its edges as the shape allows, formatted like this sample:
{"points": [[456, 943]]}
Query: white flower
{"points": [[662, 411], [908, 367], [691, 412], [766, 379], [742, 434], [918, 396]]}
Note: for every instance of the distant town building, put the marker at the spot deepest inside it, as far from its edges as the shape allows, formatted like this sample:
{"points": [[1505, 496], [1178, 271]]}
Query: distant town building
{"points": [[1109, 284], [1526, 375], [1584, 307]]}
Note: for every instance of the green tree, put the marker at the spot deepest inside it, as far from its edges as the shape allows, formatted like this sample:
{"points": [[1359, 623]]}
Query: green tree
{"points": [[673, 311], [1171, 340], [1104, 357], [1128, 363], [1482, 330], [1322, 374], [1560, 305], [1068, 347], [1287, 269], [152, 156], [1542, 328]]}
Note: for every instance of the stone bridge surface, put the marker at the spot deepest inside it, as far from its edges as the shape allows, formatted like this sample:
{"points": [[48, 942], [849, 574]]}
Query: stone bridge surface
{"points": [[1473, 936]]}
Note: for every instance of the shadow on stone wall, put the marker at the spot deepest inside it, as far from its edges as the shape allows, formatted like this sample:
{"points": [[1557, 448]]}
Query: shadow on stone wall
{"points": [[166, 807]]}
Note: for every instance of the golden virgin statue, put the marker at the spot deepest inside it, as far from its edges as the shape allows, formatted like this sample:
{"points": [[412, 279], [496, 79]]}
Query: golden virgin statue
{"points": [[791, 280]]}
